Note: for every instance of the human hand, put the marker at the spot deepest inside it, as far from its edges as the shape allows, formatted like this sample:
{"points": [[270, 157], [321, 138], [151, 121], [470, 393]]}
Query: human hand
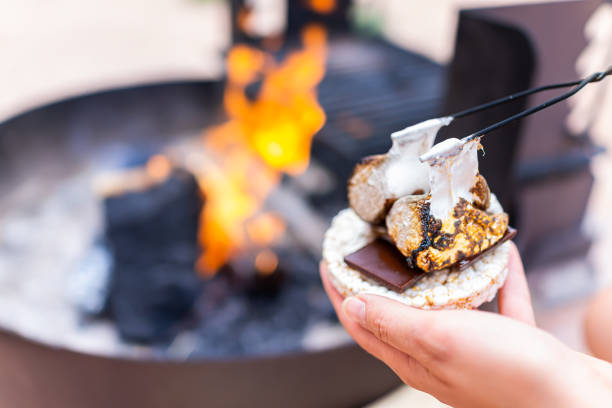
{"points": [[474, 358]]}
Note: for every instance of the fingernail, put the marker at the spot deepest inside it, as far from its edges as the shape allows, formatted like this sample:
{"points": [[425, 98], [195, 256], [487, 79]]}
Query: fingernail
{"points": [[355, 309]]}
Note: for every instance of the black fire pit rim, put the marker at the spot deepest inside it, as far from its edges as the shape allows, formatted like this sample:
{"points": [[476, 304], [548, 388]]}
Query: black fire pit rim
{"points": [[75, 97], [159, 360]]}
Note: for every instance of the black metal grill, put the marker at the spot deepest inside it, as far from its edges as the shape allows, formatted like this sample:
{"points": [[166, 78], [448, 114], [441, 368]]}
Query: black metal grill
{"points": [[381, 87]]}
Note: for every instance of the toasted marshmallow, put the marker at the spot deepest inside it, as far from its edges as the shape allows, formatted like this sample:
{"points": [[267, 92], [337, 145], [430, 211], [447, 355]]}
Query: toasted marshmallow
{"points": [[451, 223], [453, 170], [380, 180], [404, 173]]}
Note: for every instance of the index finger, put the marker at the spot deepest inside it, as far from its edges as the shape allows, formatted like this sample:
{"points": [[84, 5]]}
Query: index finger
{"points": [[513, 298]]}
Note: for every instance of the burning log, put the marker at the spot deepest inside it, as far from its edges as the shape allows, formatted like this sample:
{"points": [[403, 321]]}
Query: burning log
{"points": [[152, 233]]}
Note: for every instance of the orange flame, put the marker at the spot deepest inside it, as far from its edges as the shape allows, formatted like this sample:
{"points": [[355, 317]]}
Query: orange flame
{"points": [[265, 229], [322, 6], [262, 140], [266, 262]]}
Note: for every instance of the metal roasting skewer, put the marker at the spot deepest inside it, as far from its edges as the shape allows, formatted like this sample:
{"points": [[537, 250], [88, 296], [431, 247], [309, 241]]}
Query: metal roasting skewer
{"points": [[579, 84]]}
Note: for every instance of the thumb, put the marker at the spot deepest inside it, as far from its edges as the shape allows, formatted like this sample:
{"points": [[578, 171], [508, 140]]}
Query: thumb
{"points": [[419, 333]]}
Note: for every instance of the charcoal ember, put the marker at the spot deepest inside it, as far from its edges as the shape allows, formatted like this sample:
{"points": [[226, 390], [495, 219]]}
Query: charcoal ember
{"points": [[268, 284], [243, 276], [153, 238], [232, 321]]}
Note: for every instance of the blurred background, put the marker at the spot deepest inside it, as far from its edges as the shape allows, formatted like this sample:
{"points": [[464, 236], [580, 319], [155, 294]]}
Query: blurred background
{"points": [[168, 168]]}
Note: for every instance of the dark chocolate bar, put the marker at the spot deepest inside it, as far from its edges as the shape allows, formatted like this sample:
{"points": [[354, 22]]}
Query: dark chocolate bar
{"points": [[381, 261]]}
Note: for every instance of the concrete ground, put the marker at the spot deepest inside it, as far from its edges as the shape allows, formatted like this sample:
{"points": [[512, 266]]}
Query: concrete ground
{"points": [[66, 47]]}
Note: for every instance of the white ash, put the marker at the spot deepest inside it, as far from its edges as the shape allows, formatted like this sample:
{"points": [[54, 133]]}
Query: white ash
{"points": [[41, 244], [88, 285]]}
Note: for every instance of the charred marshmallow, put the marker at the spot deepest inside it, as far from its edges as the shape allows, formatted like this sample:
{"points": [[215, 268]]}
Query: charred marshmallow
{"points": [[451, 223]]}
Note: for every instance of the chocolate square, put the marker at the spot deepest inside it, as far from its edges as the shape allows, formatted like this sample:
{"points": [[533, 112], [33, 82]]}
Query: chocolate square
{"points": [[380, 260]]}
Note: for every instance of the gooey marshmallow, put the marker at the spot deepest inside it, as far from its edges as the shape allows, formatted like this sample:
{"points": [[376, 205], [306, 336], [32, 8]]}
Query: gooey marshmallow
{"points": [[403, 172], [453, 166]]}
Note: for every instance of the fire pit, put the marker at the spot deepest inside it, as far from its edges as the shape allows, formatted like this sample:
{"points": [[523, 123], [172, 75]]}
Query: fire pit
{"points": [[86, 193], [51, 229], [159, 245]]}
